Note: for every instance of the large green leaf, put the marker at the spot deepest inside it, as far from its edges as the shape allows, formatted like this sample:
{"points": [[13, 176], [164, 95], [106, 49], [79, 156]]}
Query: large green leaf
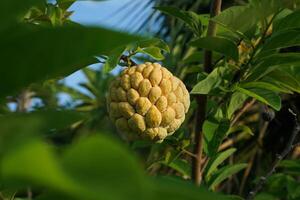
{"points": [[265, 8], [287, 38], [106, 168], [291, 21], [91, 168], [225, 173], [264, 95], [32, 54], [237, 18], [218, 159], [191, 19], [264, 85], [17, 128], [12, 11], [35, 163], [170, 188], [218, 44], [212, 81], [285, 79], [214, 132], [270, 63]]}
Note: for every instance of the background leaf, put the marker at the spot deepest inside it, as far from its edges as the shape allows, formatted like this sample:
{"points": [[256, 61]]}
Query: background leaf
{"points": [[218, 44], [191, 19]]}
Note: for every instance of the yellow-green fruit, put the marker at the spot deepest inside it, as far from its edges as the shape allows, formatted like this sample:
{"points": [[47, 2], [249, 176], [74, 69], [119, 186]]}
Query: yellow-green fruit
{"points": [[148, 100]]}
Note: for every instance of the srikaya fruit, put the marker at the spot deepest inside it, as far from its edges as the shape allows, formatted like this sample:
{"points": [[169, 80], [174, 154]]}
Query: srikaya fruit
{"points": [[148, 101]]}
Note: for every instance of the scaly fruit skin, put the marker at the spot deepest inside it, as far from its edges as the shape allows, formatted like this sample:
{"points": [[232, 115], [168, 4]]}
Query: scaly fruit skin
{"points": [[148, 100]]}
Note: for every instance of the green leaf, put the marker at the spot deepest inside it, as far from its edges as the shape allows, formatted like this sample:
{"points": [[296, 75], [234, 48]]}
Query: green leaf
{"points": [[192, 20], [94, 162], [44, 53], [153, 42], [265, 8], [212, 81], [196, 56], [263, 85], [171, 188], [265, 196], [291, 21], [265, 96], [242, 129], [237, 18], [282, 39], [218, 44], [225, 173], [113, 59], [281, 185], [153, 52], [270, 63], [291, 166], [237, 100], [39, 166], [285, 79], [12, 11], [218, 159], [88, 169], [214, 133], [181, 166], [17, 128]]}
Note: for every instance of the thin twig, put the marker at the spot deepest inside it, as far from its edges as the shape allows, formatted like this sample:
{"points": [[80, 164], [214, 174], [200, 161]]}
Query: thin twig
{"points": [[242, 111], [188, 153], [279, 157], [202, 100]]}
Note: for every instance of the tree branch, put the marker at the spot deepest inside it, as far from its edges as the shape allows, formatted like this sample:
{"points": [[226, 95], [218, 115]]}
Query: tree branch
{"points": [[202, 100]]}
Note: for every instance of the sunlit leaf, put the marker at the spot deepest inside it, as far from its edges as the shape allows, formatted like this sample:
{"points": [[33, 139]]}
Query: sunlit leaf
{"points": [[210, 82], [153, 52], [218, 159], [225, 173], [264, 95]]}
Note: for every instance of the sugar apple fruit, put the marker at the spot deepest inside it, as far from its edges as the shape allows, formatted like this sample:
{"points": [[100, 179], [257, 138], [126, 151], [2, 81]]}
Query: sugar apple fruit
{"points": [[148, 101]]}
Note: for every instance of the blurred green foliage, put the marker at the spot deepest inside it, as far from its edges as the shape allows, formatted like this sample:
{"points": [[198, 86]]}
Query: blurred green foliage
{"points": [[56, 151]]}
